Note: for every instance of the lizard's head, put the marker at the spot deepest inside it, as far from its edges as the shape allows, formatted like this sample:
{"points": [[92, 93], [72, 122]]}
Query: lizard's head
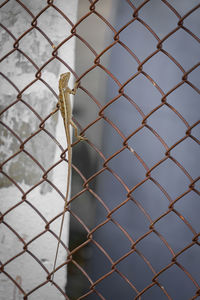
{"points": [[64, 78]]}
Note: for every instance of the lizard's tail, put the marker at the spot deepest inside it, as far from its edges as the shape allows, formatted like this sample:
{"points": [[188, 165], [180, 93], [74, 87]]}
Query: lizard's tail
{"points": [[65, 209], [58, 244]]}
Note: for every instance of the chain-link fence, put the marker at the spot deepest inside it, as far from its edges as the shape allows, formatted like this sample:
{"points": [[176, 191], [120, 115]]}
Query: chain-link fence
{"points": [[137, 205]]}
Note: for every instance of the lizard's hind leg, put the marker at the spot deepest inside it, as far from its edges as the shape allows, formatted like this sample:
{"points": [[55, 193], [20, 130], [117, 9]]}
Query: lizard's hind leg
{"points": [[79, 137]]}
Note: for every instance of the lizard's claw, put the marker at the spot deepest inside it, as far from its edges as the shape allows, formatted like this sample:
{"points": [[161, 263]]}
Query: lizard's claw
{"points": [[81, 138]]}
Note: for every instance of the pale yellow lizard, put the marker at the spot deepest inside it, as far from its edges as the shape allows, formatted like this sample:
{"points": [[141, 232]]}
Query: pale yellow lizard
{"points": [[64, 105]]}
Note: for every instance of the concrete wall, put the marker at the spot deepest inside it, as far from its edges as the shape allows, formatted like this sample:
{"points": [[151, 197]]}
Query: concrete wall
{"points": [[21, 168]]}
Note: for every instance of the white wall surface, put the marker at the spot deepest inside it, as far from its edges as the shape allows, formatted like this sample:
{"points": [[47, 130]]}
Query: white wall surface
{"points": [[25, 173]]}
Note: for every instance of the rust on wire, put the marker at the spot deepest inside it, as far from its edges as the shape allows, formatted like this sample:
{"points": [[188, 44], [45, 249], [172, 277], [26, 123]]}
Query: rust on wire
{"points": [[93, 288]]}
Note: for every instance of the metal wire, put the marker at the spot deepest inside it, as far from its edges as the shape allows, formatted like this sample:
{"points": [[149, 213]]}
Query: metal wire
{"points": [[167, 156]]}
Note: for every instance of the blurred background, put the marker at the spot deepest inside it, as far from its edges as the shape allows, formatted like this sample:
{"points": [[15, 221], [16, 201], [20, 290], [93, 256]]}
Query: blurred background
{"points": [[184, 49]]}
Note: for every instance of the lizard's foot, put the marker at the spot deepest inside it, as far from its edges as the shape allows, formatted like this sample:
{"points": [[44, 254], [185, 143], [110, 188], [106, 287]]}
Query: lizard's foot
{"points": [[81, 138]]}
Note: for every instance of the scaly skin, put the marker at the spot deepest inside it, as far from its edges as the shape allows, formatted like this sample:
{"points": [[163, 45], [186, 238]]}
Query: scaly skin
{"points": [[64, 105]]}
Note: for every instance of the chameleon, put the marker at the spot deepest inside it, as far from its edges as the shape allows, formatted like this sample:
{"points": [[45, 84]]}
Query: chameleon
{"points": [[64, 105]]}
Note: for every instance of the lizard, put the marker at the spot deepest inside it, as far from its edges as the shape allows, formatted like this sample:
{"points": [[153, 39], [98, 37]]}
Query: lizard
{"points": [[65, 108]]}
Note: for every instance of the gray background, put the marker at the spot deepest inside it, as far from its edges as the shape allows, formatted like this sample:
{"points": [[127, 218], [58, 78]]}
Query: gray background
{"points": [[166, 74]]}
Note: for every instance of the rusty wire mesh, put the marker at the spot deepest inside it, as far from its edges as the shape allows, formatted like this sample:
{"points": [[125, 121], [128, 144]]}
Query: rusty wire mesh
{"points": [[93, 285]]}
